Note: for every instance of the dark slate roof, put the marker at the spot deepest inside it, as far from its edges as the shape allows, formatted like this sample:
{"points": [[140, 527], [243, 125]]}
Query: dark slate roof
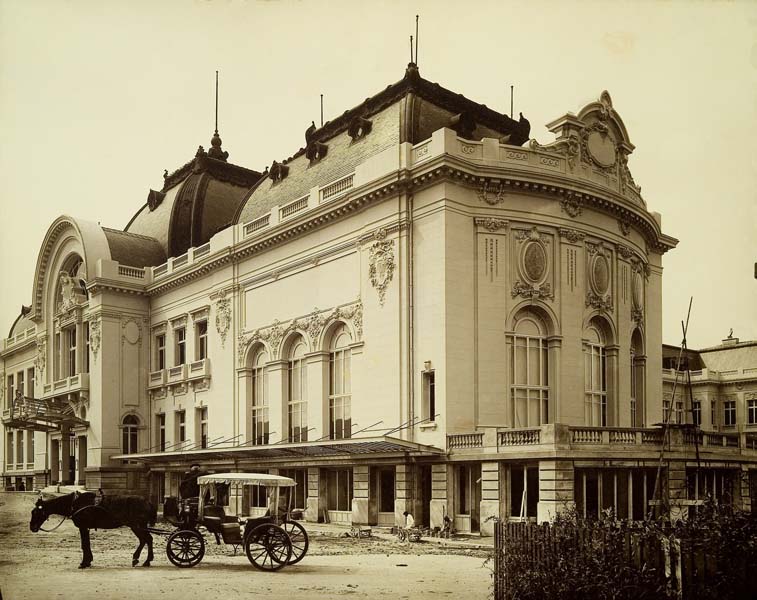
{"points": [[22, 322], [134, 250], [412, 82]]}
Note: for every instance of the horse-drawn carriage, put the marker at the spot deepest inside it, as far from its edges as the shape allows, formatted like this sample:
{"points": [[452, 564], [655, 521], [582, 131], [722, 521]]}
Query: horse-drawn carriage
{"points": [[270, 542]]}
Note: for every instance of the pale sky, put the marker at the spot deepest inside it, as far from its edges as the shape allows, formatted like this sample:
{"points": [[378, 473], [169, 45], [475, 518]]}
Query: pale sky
{"points": [[97, 98]]}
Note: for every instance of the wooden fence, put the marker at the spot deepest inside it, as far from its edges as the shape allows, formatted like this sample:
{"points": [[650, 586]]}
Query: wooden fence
{"points": [[681, 567]]}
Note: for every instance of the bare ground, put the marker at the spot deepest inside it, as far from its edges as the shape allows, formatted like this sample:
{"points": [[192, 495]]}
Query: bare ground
{"points": [[44, 565]]}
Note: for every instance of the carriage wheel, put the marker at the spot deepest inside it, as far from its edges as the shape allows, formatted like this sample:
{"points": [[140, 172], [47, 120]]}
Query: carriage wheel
{"points": [[299, 538], [268, 547], [185, 548]]}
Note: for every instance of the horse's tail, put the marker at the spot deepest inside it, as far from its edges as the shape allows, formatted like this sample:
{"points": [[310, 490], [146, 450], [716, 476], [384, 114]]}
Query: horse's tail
{"points": [[153, 515]]}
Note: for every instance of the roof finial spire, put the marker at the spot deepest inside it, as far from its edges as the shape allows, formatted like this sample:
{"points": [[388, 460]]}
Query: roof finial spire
{"points": [[416, 40], [215, 142]]}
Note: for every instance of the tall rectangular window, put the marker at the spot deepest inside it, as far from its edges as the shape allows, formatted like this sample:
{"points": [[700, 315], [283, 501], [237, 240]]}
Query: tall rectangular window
{"points": [[19, 449], [696, 411], [339, 489], [30, 446], [340, 383], [161, 431], [729, 413], [9, 450], [181, 426], [86, 348], [180, 348], [596, 385], [20, 383], [298, 394], [203, 426], [30, 382], [160, 352], [259, 427], [57, 363], [9, 392], [429, 396], [202, 341], [752, 411], [678, 416], [71, 360]]}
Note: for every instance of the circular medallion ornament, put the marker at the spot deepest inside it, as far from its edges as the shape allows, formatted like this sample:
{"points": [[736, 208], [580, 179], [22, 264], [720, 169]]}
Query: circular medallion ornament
{"points": [[602, 148], [534, 261], [636, 289], [600, 275], [131, 332]]}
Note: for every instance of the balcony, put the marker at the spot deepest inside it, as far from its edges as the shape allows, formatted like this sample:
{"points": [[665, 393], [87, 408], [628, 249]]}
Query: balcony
{"points": [[600, 442], [199, 369], [156, 379], [27, 335], [70, 385], [177, 374]]}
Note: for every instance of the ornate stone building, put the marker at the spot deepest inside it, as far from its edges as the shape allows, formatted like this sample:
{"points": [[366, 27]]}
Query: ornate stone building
{"points": [[420, 310]]}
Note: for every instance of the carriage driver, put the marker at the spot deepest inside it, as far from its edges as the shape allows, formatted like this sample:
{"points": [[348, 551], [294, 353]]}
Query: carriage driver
{"points": [[189, 488]]}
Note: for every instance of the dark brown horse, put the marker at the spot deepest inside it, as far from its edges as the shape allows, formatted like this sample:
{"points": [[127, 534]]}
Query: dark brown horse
{"points": [[109, 512]]}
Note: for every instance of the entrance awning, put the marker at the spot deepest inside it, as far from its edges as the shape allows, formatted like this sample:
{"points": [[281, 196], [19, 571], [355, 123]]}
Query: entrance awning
{"points": [[348, 448], [40, 414]]}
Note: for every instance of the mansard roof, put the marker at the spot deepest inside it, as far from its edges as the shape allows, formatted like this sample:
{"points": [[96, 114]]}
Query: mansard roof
{"points": [[195, 202], [134, 250], [409, 110], [22, 322]]}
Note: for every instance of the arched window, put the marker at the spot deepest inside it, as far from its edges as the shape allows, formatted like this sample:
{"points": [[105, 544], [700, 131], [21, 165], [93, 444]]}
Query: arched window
{"points": [[130, 434], [637, 380], [298, 393], [529, 372], [595, 378], [340, 412], [259, 430]]}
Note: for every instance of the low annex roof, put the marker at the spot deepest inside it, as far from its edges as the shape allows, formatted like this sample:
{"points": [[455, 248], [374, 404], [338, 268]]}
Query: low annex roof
{"points": [[298, 451]]}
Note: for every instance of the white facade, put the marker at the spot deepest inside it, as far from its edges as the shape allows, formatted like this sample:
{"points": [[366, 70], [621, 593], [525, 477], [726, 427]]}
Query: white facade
{"points": [[405, 316]]}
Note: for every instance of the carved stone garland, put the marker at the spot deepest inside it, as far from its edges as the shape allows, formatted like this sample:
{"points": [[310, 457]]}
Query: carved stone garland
{"points": [[381, 264], [95, 337], [571, 205], [491, 224], [41, 359], [223, 316], [313, 325], [484, 191]]}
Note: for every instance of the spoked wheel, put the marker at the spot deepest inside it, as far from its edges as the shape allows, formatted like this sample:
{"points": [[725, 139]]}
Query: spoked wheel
{"points": [[185, 548], [299, 538], [268, 547]]}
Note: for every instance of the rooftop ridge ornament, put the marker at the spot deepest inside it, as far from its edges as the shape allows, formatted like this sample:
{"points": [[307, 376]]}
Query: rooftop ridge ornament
{"points": [[215, 142]]}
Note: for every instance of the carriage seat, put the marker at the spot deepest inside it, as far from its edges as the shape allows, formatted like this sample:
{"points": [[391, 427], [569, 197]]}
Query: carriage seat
{"points": [[214, 518]]}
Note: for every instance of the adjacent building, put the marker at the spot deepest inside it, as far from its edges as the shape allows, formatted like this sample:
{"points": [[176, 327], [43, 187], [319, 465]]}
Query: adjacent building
{"points": [[422, 309]]}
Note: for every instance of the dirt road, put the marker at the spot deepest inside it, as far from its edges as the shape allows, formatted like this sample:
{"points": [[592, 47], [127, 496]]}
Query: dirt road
{"points": [[43, 565]]}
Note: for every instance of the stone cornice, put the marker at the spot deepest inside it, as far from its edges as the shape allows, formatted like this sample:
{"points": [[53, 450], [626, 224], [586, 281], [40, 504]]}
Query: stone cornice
{"points": [[574, 195], [587, 194]]}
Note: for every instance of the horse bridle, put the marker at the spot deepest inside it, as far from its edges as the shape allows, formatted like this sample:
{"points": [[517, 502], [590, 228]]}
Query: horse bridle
{"points": [[54, 528]]}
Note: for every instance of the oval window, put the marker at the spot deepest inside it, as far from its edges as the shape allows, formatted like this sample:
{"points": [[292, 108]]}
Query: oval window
{"points": [[601, 275], [534, 261]]}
